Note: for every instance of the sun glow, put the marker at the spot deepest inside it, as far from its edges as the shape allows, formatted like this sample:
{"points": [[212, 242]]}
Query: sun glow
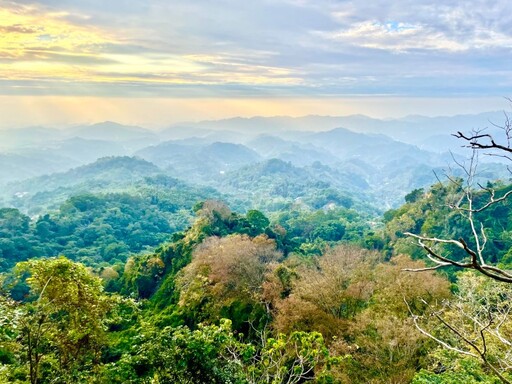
{"points": [[28, 34], [61, 111], [41, 47]]}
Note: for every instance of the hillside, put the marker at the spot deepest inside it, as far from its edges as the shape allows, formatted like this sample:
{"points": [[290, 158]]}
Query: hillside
{"points": [[280, 257], [107, 174]]}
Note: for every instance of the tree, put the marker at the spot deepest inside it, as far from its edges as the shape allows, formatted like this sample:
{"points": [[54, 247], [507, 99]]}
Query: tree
{"points": [[414, 195], [476, 323], [208, 354], [61, 327], [258, 222], [291, 359], [472, 199], [328, 291], [355, 300], [226, 276], [212, 354]]}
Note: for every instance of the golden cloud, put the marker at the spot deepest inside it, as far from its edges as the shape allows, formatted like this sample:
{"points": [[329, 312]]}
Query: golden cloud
{"points": [[37, 45]]}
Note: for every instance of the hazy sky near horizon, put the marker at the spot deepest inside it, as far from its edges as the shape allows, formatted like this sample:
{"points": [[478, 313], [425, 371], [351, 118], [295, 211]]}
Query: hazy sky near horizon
{"points": [[159, 61]]}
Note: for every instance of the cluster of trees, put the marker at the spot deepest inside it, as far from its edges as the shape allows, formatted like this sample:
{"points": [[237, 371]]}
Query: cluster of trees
{"points": [[222, 302], [96, 229], [306, 295], [228, 301], [68, 329]]}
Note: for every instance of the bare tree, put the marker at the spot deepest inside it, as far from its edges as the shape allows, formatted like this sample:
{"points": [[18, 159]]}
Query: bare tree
{"points": [[472, 325], [475, 322], [479, 141]]}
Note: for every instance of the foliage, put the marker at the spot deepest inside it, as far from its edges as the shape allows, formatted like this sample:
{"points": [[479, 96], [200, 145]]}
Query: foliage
{"points": [[293, 358], [60, 330], [311, 232], [213, 354], [225, 277], [213, 219], [388, 347], [451, 368], [357, 303], [95, 228], [299, 298], [180, 355], [432, 215], [474, 325]]}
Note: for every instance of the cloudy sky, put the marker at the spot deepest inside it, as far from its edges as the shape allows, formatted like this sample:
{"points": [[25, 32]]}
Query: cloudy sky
{"points": [[158, 61]]}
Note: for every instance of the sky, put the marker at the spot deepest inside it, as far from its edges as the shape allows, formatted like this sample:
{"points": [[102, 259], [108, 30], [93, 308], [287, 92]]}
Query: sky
{"points": [[155, 62]]}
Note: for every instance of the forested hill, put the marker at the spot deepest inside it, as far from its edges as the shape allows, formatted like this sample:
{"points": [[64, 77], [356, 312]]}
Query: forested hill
{"points": [[339, 307], [211, 297], [117, 206], [273, 184], [390, 163], [109, 174], [214, 292], [275, 260]]}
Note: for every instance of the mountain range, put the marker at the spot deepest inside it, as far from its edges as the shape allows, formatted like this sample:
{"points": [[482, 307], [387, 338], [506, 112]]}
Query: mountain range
{"points": [[381, 160]]}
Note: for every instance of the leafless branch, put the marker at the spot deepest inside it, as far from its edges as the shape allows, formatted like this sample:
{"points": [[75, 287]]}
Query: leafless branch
{"points": [[477, 331], [429, 335], [475, 143], [476, 262], [492, 201], [481, 352]]}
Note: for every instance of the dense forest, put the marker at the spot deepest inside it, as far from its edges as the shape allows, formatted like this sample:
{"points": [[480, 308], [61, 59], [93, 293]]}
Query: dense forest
{"points": [[119, 272], [255, 192]]}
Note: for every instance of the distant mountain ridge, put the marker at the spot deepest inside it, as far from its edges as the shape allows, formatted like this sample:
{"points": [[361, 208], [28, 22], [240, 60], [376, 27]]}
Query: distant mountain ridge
{"points": [[109, 130], [200, 161], [351, 148], [411, 129]]}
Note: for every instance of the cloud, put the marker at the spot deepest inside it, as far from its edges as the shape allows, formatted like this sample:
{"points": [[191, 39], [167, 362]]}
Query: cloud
{"points": [[416, 25], [399, 36], [306, 47], [18, 28]]}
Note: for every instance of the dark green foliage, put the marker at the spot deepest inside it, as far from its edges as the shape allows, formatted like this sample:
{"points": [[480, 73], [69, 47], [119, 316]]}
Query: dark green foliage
{"points": [[414, 195], [312, 231], [258, 221], [179, 355], [99, 228], [14, 237]]}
